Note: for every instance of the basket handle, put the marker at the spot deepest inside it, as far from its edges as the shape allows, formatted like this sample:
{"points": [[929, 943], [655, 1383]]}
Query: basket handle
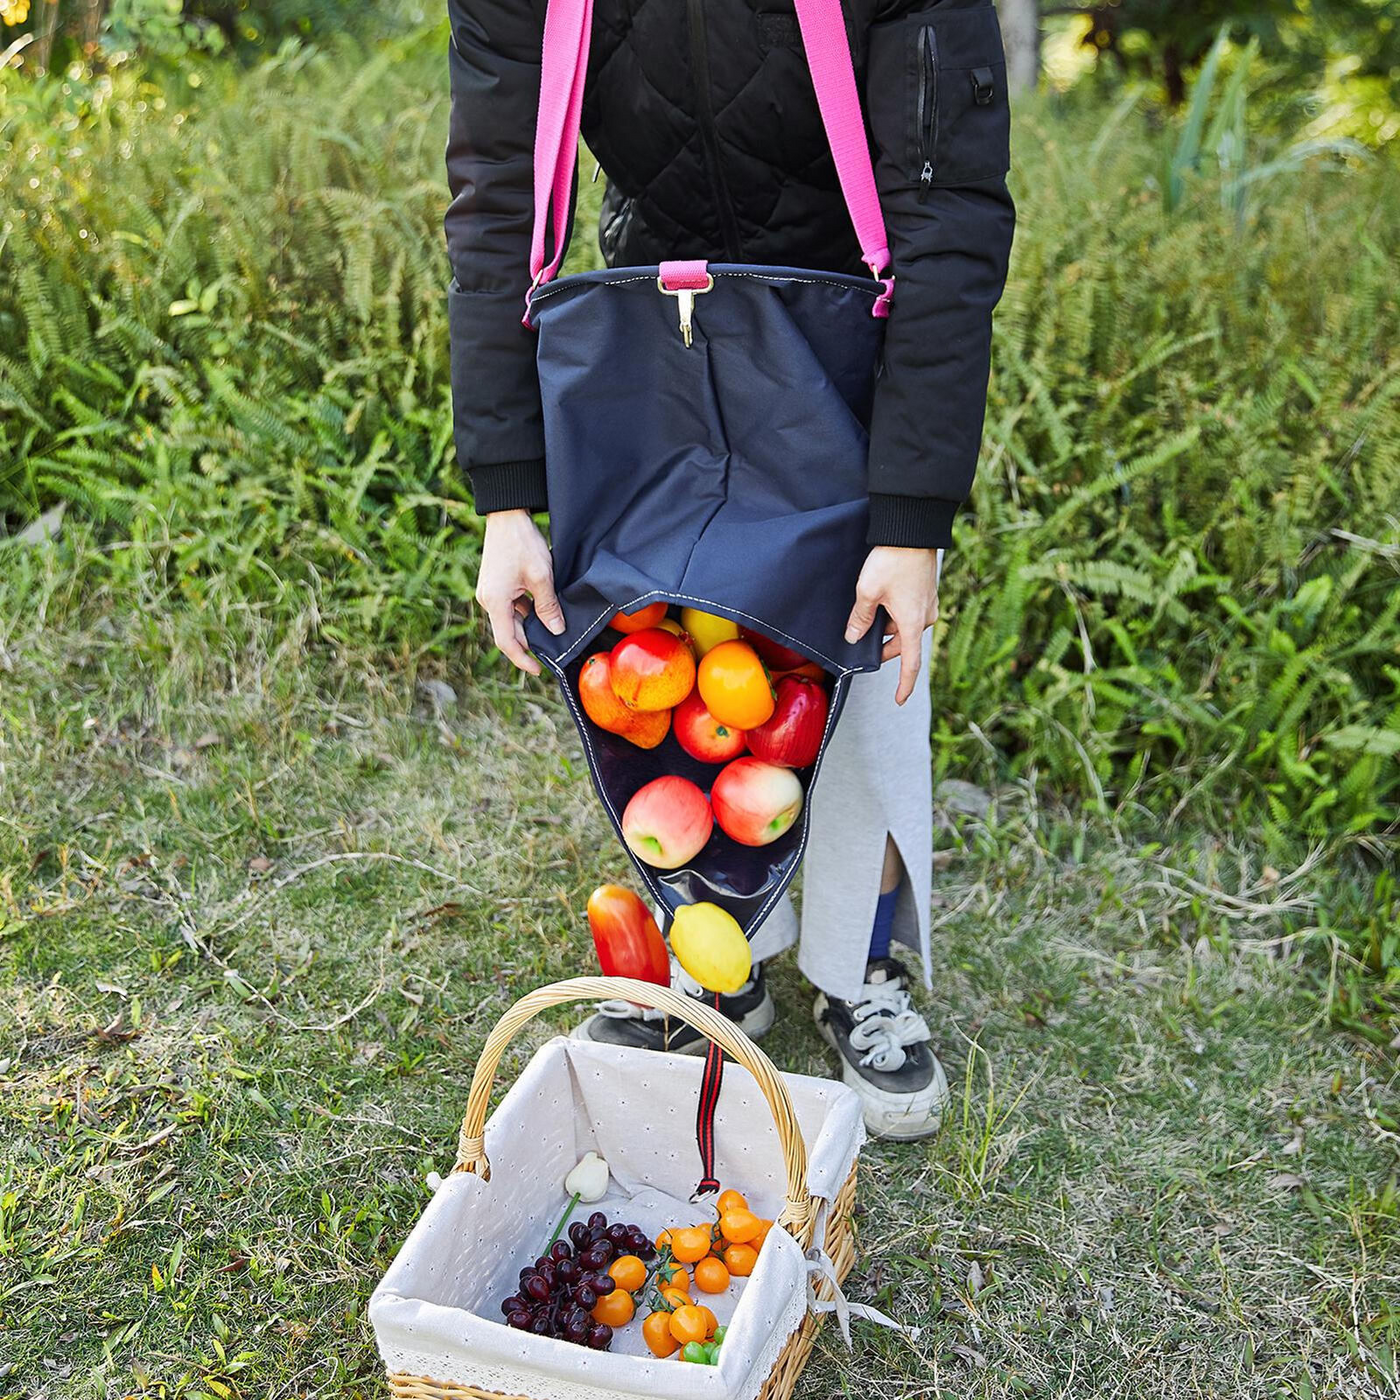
{"points": [[798, 1215]]}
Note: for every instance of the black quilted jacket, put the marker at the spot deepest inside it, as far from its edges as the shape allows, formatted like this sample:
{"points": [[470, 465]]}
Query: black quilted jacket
{"points": [[702, 115]]}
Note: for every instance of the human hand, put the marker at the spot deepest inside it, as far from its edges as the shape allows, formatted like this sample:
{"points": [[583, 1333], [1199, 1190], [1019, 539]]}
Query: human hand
{"points": [[515, 565], [905, 583]]}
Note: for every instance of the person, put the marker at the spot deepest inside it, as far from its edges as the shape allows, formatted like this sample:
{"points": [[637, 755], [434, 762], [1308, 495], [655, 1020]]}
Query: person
{"points": [[703, 117]]}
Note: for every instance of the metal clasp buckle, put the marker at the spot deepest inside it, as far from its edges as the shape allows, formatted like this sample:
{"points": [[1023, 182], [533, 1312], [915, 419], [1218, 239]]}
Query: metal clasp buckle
{"points": [[685, 304]]}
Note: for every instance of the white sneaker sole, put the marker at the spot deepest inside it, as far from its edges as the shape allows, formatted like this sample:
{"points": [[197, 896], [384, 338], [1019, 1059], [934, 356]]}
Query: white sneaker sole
{"points": [[899, 1117], [756, 1024]]}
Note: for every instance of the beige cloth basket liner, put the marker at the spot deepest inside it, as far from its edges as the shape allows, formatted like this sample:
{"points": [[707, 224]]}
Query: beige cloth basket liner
{"points": [[436, 1313]]}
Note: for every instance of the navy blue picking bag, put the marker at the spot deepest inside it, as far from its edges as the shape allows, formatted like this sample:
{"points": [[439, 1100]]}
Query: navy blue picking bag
{"points": [[706, 431]]}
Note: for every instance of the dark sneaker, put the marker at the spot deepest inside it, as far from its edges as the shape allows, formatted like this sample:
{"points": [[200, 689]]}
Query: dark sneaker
{"points": [[622, 1023], [885, 1054]]}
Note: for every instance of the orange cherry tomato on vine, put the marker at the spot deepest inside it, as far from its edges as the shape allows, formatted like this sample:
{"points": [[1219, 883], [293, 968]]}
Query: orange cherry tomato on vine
{"points": [[739, 1226], [689, 1324], [731, 1200], [711, 1276], [740, 1259], [656, 1332], [628, 1272], [615, 1309], [691, 1243]]}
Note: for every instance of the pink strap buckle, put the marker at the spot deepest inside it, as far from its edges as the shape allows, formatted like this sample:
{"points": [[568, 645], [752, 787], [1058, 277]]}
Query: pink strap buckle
{"points": [[685, 276]]}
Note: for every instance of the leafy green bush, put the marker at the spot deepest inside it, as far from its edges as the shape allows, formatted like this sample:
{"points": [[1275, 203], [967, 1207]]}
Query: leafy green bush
{"points": [[223, 344], [1181, 583]]}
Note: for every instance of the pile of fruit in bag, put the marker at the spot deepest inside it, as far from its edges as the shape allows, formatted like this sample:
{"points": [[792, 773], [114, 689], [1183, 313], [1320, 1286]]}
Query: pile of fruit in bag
{"points": [[732, 697], [586, 1288]]}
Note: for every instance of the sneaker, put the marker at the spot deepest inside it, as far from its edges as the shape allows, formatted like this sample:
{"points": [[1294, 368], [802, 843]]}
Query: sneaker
{"points": [[885, 1054], [641, 1028]]}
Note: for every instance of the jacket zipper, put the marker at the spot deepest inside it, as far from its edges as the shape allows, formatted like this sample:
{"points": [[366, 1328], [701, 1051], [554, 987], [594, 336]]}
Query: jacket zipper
{"points": [[704, 100], [927, 113]]}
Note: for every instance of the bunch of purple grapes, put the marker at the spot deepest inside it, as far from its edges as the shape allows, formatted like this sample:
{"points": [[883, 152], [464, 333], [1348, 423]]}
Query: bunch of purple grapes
{"points": [[559, 1291]]}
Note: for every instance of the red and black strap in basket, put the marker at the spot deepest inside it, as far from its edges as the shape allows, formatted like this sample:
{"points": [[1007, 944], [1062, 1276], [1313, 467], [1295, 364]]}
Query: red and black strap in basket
{"points": [[710, 1084]]}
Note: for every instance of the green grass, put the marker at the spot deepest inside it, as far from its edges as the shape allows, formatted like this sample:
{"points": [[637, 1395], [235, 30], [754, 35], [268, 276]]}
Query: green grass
{"points": [[257, 914]]}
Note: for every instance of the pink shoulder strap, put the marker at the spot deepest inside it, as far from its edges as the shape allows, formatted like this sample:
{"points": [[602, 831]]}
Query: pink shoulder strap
{"points": [[567, 32]]}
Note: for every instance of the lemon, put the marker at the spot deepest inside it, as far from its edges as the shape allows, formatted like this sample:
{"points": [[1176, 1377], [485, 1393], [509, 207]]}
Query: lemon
{"points": [[707, 630], [711, 947]]}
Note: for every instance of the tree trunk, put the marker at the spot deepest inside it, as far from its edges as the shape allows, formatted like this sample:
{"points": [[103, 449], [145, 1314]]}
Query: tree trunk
{"points": [[1020, 32]]}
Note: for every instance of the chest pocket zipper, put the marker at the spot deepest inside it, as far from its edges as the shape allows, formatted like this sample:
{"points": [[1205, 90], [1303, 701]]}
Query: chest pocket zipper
{"points": [[926, 115]]}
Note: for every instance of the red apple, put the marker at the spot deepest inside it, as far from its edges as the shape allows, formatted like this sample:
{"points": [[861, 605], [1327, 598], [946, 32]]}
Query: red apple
{"points": [[792, 737], [701, 735], [667, 822], [755, 802], [773, 654]]}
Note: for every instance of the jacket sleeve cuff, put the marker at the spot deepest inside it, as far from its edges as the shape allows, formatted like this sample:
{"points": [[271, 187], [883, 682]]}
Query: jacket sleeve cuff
{"points": [[510, 486], [911, 522]]}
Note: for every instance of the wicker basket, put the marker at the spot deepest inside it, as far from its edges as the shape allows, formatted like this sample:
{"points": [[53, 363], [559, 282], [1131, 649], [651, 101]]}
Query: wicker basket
{"points": [[800, 1215]]}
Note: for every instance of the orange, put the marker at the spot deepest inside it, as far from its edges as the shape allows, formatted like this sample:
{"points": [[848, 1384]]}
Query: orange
{"points": [[676, 1277], [740, 1259], [652, 670], [763, 1228], [629, 1272], [739, 1226], [731, 1200], [663, 1240], [711, 1321], [711, 1276], [656, 1331], [650, 616], [616, 1308], [677, 1297], [691, 1244], [735, 685], [689, 1324]]}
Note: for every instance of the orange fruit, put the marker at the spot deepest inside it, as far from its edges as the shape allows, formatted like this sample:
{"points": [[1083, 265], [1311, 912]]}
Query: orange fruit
{"points": [[711, 1276], [689, 1324], [677, 1297], [629, 1272], [601, 705], [735, 685], [656, 1332], [616, 1308], [676, 1277], [599, 699], [711, 1321], [652, 670], [763, 1228], [650, 616], [691, 1243], [740, 1259], [731, 1200], [663, 1240], [739, 1226]]}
